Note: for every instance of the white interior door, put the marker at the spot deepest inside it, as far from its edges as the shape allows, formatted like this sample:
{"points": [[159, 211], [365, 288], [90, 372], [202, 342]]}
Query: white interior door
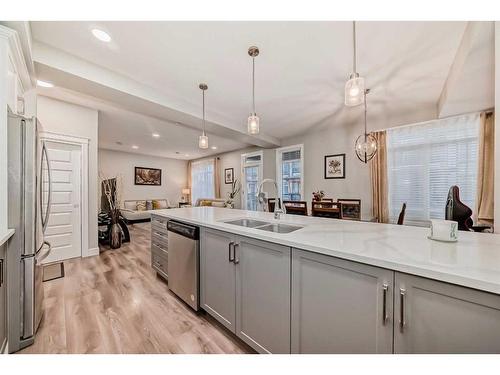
{"points": [[64, 225]]}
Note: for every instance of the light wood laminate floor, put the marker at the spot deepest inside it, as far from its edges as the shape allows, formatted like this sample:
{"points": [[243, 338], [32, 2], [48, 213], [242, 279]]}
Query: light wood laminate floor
{"points": [[115, 303]]}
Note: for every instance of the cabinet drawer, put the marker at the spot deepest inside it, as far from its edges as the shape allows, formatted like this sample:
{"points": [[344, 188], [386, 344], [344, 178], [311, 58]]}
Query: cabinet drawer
{"points": [[159, 248], [159, 262], [159, 222], [159, 238]]}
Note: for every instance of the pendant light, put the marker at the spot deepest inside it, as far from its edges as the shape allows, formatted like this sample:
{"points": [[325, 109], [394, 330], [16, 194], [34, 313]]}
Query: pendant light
{"points": [[366, 144], [355, 86], [203, 140], [253, 119]]}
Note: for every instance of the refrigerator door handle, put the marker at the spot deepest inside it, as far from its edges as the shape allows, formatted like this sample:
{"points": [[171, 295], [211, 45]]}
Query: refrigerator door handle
{"points": [[40, 258], [45, 220]]}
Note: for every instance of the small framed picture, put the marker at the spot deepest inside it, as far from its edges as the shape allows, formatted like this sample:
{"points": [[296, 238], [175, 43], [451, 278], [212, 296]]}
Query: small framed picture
{"points": [[335, 166], [229, 175]]}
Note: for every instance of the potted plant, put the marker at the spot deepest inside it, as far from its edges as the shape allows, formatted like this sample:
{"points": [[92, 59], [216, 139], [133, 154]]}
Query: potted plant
{"points": [[111, 189], [318, 195], [235, 189]]}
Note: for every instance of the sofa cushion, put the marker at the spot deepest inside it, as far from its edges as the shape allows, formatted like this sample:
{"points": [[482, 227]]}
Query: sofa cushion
{"points": [[141, 206], [135, 215], [218, 204], [130, 205]]}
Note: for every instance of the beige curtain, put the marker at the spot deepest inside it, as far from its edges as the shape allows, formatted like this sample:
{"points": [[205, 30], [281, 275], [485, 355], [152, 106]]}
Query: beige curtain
{"points": [[190, 165], [486, 166], [378, 174], [217, 177]]}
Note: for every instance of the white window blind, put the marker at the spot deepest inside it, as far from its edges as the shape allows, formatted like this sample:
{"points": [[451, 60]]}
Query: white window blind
{"points": [[425, 160], [202, 180]]}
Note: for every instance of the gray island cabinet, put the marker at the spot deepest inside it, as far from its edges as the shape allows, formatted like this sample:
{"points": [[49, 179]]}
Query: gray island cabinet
{"points": [[245, 285], [280, 299]]}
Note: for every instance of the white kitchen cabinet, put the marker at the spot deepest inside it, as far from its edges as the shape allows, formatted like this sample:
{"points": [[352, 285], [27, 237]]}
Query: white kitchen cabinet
{"points": [[218, 277], [263, 295], [245, 285], [436, 317], [339, 306]]}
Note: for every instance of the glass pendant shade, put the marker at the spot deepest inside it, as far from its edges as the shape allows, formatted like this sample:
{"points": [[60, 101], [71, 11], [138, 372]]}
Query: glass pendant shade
{"points": [[253, 124], [366, 147], [203, 141], [354, 90]]}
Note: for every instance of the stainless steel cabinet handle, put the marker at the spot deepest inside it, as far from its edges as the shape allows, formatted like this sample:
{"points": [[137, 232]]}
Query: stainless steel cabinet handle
{"points": [[231, 251], [1, 271], [236, 259], [402, 317], [385, 316]]}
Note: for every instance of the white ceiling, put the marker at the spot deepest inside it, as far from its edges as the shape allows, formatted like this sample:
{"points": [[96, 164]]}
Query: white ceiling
{"points": [[300, 73], [120, 129]]}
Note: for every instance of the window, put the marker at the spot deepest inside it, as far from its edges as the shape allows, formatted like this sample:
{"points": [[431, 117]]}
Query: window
{"points": [[251, 173], [289, 167], [425, 160], [202, 180]]}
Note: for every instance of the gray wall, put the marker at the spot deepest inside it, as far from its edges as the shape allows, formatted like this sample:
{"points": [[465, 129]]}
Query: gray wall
{"points": [[335, 139], [173, 174], [233, 160]]}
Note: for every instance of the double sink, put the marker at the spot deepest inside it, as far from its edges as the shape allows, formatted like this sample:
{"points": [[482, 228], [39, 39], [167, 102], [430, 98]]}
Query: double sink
{"points": [[263, 225]]}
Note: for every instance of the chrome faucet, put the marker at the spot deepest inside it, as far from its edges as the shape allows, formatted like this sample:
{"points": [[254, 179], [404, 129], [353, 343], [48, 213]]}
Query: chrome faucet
{"points": [[279, 208]]}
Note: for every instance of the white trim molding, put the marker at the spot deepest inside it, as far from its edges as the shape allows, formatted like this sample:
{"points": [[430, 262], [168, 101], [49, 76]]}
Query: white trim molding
{"points": [[94, 251], [244, 164], [279, 151]]}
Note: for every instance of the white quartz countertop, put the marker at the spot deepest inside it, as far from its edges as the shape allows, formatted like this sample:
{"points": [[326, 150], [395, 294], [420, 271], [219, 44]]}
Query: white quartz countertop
{"points": [[473, 261]]}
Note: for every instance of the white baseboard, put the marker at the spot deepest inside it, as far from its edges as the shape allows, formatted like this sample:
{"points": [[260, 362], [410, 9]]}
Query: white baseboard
{"points": [[91, 252]]}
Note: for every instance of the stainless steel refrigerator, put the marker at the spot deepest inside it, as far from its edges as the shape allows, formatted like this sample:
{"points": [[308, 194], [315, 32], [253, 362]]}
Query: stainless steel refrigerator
{"points": [[29, 195]]}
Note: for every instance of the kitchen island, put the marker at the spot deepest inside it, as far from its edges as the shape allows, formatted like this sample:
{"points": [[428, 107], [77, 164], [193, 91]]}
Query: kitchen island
{"points": [[336, 286]]}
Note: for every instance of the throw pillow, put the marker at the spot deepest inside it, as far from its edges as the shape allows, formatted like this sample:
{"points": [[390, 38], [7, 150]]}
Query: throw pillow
{"points": [[218, 204], [149, 205], [162, 203], [156, 205], [141, 206], [205, 203]]}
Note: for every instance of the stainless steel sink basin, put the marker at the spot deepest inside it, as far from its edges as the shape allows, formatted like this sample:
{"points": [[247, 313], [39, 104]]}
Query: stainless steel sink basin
{"points": [[249, 223], [280, 228]]}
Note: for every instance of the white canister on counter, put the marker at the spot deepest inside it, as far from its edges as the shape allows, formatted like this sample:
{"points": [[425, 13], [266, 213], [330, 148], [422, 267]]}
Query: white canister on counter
{"points": [[444, 230]]}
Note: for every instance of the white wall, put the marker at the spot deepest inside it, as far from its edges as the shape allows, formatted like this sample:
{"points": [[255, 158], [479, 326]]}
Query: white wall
{"points": [[336, 139], [173, 174], [74, 120]]}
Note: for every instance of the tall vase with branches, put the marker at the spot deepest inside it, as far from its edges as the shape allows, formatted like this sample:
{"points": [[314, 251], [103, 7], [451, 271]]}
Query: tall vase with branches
{"points": [[235, 190], [112, 188]]}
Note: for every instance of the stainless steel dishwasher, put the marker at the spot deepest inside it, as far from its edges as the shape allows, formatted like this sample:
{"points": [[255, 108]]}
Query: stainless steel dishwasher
{"points": [[184, 261]]}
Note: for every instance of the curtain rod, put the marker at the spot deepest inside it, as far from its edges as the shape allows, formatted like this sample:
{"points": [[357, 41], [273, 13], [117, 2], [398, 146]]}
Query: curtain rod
{"points": [[488, 111]]}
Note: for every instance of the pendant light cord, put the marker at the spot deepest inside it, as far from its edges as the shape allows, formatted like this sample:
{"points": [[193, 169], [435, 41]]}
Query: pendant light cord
{"points": [[354, 57], [203, 112], [366, 110], [253, 84]]}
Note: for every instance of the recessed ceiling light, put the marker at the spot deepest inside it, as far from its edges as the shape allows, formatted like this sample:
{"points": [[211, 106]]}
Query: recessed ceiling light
{"points": [[44, 83], [214, 147], [135, 147], [103, 36], [156, 135], [186, 155]]}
